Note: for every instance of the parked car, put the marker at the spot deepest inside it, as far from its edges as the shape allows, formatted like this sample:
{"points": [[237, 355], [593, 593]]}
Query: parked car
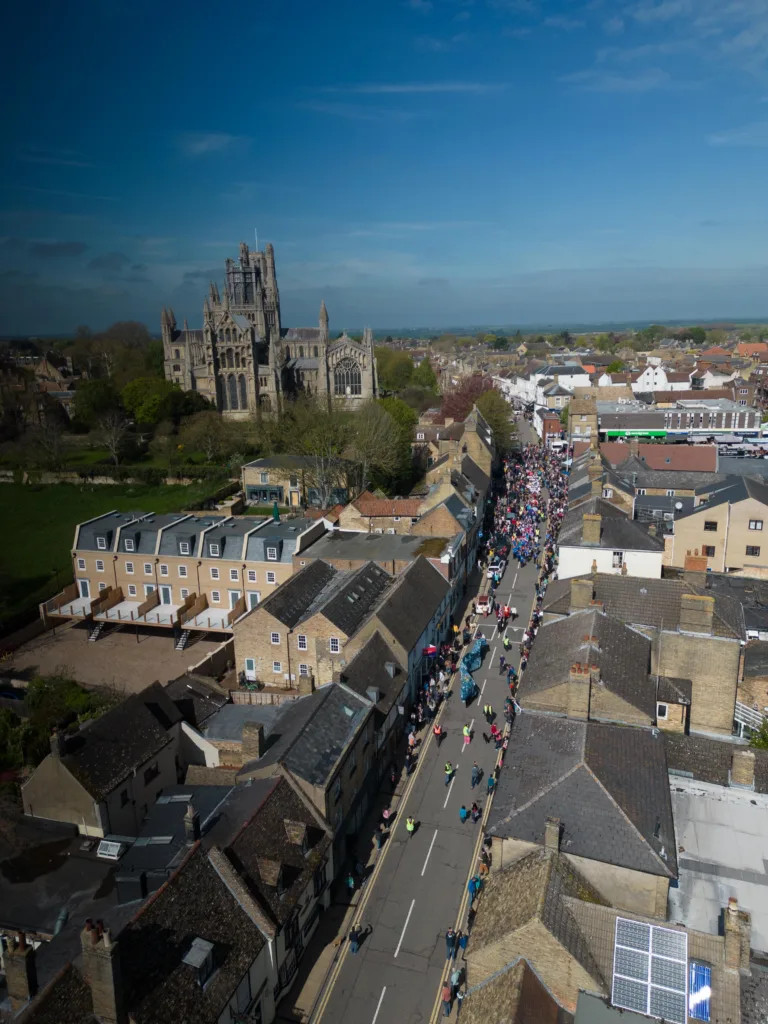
{"points": [[498, 565]]}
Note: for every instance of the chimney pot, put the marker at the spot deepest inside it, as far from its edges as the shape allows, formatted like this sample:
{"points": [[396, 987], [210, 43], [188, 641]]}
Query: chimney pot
{"points": [[552, 834], [20, 971]]}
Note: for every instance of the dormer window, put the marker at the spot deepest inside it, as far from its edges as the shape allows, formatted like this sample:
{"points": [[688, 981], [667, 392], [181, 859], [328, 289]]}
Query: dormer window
{"points": [[213, 550], [183, 547], [272, 554], [130, 544], [101, 543], [200, 959]]}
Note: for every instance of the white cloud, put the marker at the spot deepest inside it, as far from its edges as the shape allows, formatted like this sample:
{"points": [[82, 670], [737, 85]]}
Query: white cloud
{"points": [[437, 44], [200, 143], [605, 81], [613, 26], [749, 135]]}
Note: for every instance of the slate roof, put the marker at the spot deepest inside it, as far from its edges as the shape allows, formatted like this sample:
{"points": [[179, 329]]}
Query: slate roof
{"points": [[475, 474], [368, 669], [738, 488], [607, 784], [105, 527], [347, 600], [617, 531], [411, 603], [264, 838], [316, 750], [105, 752], [648, 602], [290, 601], [534, 888], [283, 536], [195, 698], [709, 760], [623, 657]]}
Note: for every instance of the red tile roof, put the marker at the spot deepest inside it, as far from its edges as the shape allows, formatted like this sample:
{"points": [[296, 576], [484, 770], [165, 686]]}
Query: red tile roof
{"points": [[388, 507], [692, 458]]}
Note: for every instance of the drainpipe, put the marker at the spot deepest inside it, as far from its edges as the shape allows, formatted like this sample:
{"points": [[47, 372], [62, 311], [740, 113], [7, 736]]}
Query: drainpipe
{"points": [[114, 569]]}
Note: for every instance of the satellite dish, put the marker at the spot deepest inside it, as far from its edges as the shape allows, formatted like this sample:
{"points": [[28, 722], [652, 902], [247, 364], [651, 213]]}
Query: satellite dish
{"points": [[678, 505]]}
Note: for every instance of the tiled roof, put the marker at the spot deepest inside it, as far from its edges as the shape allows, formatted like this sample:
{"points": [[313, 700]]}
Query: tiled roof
{"points": [[352, 602], [520, 991], [195, 699], [290, 601], [709, 760], [693, 458], [388, 507], [368, 668], [412, 602], [316, 750], [607, 784], [618, 532], [105, 752], [647, 602], [622, 654]]}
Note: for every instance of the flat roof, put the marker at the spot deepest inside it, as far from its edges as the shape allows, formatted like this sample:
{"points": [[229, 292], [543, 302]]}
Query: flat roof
{"points": [[374, 547], [721, 845]]}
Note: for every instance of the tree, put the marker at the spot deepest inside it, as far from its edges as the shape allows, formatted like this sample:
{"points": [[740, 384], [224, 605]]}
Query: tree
{"points": [[605, 343], [615, 367], [144, 398], [375, 442], [424, 376], [501, 344], [49, 442], [208, 433], [498, 415], [564, 418], [322, 436], [113, 431], [696, 335], [394, 369], [93, 400], [759, 740], [457, 404]]}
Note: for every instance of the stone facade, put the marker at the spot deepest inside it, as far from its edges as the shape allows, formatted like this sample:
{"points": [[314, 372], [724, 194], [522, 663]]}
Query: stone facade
{"points": [[243, 361]]}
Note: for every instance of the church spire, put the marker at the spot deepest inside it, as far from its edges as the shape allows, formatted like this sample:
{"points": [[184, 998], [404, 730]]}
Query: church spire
{"points": [[323, 321]]}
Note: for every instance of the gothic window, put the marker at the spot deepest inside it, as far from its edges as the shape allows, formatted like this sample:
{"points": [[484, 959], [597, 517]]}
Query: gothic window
{"points": [[301, 351], [316, 352], [243, 392], [346, 378], [221, 337], [228, 335], [237, 360], [177, 353], [230, 356], [221, 394], [232, 388], [264, 402]]}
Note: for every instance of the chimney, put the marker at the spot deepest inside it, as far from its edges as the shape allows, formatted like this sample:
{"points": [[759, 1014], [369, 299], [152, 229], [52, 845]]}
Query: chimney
{"points": [[58, 743], [578, 692], [391, 668], [597, 487], [595, 469], [634, 446], [696, 613], [552, 834], [695, 569], [742, 768], [296, 831], [737, 928], [253, 741], [581, 594], [306, 685], [594, 675], [191, 824], [593, 442], [101, 967], [652, 529], [20, 971], [591, 529]]}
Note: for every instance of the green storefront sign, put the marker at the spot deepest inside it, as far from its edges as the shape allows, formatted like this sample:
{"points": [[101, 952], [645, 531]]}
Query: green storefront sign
{"points": [[635, 433]]}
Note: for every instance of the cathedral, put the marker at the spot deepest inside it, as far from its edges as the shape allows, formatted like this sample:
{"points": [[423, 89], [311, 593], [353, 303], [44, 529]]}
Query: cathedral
{"points": [[244, 361]]}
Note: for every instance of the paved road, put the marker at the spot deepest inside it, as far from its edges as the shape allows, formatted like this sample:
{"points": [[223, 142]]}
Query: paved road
{"points": [[418, 889]]}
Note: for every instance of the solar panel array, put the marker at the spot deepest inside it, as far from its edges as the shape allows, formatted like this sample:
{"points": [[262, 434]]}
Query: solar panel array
{"points": [[650, 970]]}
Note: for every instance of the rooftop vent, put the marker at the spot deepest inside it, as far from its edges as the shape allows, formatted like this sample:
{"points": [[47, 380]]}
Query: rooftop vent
{"points": [[200, 957]]}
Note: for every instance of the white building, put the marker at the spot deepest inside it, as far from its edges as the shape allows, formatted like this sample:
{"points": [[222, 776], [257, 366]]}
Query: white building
{"points": [[598, 536]]}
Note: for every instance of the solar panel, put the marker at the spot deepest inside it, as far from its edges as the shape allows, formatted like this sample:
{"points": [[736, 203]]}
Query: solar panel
{"points": [[700, 991], [650, 970]]}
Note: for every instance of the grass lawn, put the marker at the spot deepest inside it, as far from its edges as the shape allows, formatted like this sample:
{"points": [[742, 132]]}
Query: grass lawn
{"points": [[38, 524]]}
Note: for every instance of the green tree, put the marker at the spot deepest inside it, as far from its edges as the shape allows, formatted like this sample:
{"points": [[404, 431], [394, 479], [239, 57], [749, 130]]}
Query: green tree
{"points": [[424, 376], [144, 398], [405, 419], [500, 344], [615, 367], [696, 335], [394, 369], [759, 740], [375, 443], [604, 343], [209, 433], [498, 415], [94, 399], [564, 418]]}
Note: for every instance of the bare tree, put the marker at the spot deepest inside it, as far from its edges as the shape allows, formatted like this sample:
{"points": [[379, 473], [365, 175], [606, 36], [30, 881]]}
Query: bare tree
{"points": [[375, 442], [322, 437], [113, 431], [49, 440], [208, 433]]}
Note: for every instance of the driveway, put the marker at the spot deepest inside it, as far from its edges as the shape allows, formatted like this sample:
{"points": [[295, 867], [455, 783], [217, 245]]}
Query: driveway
{"points": [[117, 659]]}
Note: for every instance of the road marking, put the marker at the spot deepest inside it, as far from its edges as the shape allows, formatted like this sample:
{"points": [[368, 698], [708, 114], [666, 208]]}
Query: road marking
{"points": [[402, 934], [450, 787], [482, 688], [434, 837], [514, 582], [463, 744], [378, 1005]]}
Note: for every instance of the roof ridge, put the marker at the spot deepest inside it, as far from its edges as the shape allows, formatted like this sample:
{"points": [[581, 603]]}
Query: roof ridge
{"points": [[542, 793]]}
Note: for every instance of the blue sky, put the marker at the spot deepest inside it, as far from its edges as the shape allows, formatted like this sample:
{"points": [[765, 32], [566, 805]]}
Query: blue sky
{"points": [[415, 162]]}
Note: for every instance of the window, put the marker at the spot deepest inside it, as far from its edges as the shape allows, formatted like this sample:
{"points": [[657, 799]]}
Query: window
{"points": [[710, 526], [272, 554], [752, 551], [147, 568], [618, 559], [81, 563], [334, 645], [102, 586], [303, 670], [661, 711], [234, 575], [251, 575], [213, 550], [277, 666], [420, 437], [754, 524], [215, 596], [183, 571], [99, 565], [151, 773], [131, 590], [743, 391], [607, 492], [641, 490], [270, 577], [699, 991], [184, 593], [129, 544], [274, 638], [395, 519], [414, 520], [319, 880], [214, 573], [347, 379], [101, 543], [264, 477], [670, 494], [302, 643], [183, 547], [337, 788], [293, 481], [129, 568], [709, 551]]}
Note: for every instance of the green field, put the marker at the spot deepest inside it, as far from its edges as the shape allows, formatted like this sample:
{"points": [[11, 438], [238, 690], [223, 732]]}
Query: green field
{"points": [[38, 526]]}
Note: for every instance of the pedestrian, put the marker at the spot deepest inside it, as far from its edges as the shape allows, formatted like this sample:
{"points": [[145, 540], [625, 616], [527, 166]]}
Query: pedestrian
{"points": [[408, 764], [350, 884], [472, 890], [475, 812], [502, 663], [439, 733], [467, 733], [475, 774], [489, 716], [410, 826], [354, 939], [412, 742], [393, 778], [456, 976], [446, 997], [450, 944], [463, 814], [490, 784], [379, 837], [448, 773], [463, 940]]}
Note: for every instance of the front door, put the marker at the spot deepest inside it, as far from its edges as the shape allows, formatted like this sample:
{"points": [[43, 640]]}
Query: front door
{"points": [[165, 595], [250, 669], [234, 597], [253, 598], [85, 588]]}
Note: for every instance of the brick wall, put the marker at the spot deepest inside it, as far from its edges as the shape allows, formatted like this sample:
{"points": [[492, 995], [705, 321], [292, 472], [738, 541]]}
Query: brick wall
{"points": [[690, 537], [436, 523], [712, 664], [609, 707]]}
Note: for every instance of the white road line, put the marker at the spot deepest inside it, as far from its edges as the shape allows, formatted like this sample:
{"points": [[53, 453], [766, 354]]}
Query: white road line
{"points": [[482, 688], [463, 744], [434, 837], [514, 581], [378, 1005], [402, 934], [450, 787]]}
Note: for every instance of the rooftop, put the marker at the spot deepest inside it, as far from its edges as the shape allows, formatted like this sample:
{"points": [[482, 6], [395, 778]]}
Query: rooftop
{"points": [[410, 605], [617, 531], [316, 750], [350, 545], [375, 666]]}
